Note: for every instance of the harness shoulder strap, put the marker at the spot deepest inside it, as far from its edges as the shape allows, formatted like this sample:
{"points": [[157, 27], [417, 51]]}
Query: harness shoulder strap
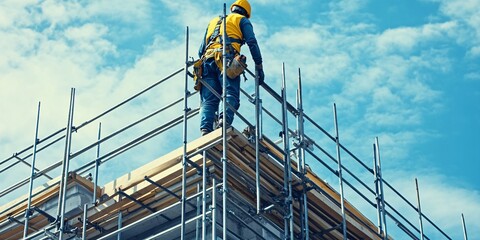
{"points": [[216, 33]]}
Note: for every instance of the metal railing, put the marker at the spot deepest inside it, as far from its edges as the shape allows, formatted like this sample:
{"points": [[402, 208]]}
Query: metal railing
{"points": [[374, 196]]}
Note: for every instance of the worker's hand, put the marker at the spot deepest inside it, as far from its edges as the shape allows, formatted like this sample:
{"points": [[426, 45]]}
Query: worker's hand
{"points": [[259, 73]]}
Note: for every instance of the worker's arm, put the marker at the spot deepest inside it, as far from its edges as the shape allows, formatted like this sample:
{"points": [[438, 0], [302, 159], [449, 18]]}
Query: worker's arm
{"points": [[251, 41], [249, 36]]}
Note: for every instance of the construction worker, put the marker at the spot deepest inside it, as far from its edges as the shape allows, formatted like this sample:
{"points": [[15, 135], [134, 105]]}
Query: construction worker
{"points": [[239, 31]]}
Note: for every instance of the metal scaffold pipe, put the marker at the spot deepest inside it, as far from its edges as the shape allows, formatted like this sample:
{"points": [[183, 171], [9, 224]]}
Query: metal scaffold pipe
{"points": [[84, 222], [32, 175], [379, 193], [258, 137], [290, 179], [132, 97], [66, 162], [419, 210], [287, 173], [224, 127], [380, 175], [119, 224], [17, 154], [214, 208], [204, 194], [198, 227], [465, 237], [301, 158], [340, 177], [43, 172], [97, 164], [413, 207], [184, 158], [22, 160], [145, 220]]}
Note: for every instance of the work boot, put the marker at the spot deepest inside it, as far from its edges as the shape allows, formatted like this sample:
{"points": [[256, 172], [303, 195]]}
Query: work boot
{"points": [[220, 123], [204, 132]]}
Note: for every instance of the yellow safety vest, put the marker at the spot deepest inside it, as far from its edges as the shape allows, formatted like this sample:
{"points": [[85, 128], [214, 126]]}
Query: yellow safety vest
{"points": [[213, 48], [233, 32]]}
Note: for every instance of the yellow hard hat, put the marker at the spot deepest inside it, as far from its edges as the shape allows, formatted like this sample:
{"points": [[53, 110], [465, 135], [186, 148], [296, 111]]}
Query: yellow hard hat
{"points": [[243, 4]]}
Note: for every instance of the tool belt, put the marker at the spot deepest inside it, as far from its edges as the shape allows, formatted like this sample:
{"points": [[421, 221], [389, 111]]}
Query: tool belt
{"points": [[235, 65], [197, 74]]}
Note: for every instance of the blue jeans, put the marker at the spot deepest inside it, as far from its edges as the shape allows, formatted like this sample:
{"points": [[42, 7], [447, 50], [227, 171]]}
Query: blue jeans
{"points": [[209, 102]]}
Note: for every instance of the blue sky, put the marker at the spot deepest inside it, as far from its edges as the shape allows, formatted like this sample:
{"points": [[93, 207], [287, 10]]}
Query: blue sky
{"points": [[406, 71]]}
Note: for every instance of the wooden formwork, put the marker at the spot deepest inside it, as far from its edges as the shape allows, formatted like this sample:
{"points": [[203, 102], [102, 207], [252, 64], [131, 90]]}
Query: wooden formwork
{"points": [[323, 201]]}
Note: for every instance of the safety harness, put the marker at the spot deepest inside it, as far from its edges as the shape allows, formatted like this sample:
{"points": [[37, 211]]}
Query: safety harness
{"points": [[216, 53], [236, 63]]}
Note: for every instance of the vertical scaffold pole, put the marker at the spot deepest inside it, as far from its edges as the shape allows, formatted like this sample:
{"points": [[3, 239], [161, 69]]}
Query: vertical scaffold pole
{"points": [[301, 157], [419, 209], [224, 127], [465, 237], [184, 158], [287, 175], [97, 164], [214, 208], [258, 138], [120, 224], [382, 193], [199, 208], [84, 222], [32, 175], [380, 196], [66, 163], [204, 195], [377, 191], [340, 177]]}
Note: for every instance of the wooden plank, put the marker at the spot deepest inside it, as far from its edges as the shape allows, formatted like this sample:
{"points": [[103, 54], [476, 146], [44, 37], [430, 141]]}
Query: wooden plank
{"points": [[143, 191], [335, 211], [45, 194], [136, 210], [325, 187], [157, 166], [166, 170], [279, 174]]}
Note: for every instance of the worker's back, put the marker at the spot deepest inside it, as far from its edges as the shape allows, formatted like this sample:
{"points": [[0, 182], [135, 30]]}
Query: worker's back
{"points": [[234, 32]]}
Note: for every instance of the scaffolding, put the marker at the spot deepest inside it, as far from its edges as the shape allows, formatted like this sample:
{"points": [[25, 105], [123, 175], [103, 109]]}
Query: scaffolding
{"points": [[229, 184]]}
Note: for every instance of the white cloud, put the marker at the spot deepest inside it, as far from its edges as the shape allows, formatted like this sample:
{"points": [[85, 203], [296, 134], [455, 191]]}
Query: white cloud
{"points": [[443, 200], [475, 76], [405, 39], [189, 15], [56, 13], [377, 79], [138, 13], [474, 52], [466, 10], [300, 39], [61, 12], [43, 65], [420, 93], [86, 32], [274, 2], [384, 98], [347, 6], [12, 11], [466, 14]]}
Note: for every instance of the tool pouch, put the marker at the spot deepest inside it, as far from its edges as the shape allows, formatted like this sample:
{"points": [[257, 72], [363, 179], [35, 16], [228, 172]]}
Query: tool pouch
{"points": [[197, 74], [236, 66]]}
